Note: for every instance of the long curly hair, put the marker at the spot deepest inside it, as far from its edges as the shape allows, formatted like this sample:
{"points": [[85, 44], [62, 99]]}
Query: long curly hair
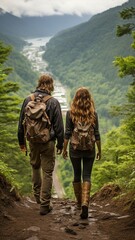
{"points": [[82, 107]]}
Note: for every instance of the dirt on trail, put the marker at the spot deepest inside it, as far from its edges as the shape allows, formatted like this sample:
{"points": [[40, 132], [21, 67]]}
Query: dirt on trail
{"points": [[108, 219]]}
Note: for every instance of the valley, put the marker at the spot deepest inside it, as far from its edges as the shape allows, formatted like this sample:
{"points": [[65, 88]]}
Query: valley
{"points": [[34, 51]]}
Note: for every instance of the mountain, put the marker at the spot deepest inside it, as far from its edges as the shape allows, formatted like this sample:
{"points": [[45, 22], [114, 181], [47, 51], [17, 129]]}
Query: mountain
{"points": [[37, 26], [84, 55]]}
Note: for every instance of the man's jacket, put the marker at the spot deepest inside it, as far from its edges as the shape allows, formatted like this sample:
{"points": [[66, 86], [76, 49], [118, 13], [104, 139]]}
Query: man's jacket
{"points": [[53, 111]]}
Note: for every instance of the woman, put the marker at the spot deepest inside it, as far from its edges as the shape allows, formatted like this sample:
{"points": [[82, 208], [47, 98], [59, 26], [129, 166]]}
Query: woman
{"points": [[82, 111]]}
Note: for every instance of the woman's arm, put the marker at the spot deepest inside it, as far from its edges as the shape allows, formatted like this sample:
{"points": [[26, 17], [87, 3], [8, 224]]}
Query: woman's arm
{"points": [[98, 143], [98, 140], [65, 155], [68, 133]]}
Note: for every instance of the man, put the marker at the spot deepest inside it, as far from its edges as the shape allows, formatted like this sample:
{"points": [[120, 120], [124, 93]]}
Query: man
{"points": [[42, 155]]}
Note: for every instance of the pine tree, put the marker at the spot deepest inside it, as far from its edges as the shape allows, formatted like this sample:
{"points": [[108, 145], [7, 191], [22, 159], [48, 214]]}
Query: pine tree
{"points": [[126, 67], [9, 114]]}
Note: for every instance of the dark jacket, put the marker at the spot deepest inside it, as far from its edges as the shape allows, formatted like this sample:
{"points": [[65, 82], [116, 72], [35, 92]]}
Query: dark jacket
{"points": [[53, 111], [68, 134], [70, 127]]}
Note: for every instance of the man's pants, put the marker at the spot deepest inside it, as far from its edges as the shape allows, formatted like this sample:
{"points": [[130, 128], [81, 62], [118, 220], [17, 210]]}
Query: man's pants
{"points": [[42, 159]]}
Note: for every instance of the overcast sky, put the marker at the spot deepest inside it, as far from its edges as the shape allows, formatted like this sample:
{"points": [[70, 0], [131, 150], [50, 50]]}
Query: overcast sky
{"points": [[51, 7]]}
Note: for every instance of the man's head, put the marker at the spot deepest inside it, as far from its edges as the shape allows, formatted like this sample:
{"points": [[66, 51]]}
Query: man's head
{"points": [[45, 82]]}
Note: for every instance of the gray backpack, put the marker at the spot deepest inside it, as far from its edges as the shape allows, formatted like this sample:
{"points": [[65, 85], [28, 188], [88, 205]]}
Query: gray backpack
{"points": [[83, 137], [36, 122]]}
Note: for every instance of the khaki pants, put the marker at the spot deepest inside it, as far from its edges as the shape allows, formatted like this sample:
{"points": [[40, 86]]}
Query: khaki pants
{"points": [[42, 159]]}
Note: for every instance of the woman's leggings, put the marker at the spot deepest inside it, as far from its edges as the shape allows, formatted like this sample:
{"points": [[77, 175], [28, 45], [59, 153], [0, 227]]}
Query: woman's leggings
{"points": [[83, 170]]}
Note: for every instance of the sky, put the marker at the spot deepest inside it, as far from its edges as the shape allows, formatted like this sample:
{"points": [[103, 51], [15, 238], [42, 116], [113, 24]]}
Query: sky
{"points": [[60, 7]]}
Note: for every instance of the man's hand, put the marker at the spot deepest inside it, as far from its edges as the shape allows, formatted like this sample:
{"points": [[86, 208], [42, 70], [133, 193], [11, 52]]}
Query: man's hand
{"points": [[59, 151], [23, 148], [98, 157]]}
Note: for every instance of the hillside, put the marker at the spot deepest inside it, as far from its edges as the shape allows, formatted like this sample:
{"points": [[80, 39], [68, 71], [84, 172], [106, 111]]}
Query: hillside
{"points": [[22, 70], [84, 55]]}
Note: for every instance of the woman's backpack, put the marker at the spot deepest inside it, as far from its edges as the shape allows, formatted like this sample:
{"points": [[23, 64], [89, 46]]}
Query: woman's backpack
{"points": [[83, 137], [36, 122]]}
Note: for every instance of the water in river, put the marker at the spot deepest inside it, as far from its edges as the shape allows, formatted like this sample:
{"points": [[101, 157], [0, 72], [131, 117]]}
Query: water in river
{"points": [[34, 51]]}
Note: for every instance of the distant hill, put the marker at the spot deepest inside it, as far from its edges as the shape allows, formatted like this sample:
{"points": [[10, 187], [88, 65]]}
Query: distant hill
{"points": [[84, 54], [37, 26], [22, 70]]}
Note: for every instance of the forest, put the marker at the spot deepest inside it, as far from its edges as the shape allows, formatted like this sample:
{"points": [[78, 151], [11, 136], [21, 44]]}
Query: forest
{"points": [[117, 122]]}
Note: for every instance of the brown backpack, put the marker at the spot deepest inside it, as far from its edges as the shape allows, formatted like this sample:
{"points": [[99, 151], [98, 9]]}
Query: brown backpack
{"points": [[83, 137], [36, 122]]}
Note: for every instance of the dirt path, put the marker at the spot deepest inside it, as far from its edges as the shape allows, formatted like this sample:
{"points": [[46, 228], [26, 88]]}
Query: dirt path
{"points": [[59, 191], [22, 221]]}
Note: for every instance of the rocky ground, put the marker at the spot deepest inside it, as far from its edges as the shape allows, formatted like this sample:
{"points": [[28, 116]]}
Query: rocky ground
{"points": [[108, 219]]}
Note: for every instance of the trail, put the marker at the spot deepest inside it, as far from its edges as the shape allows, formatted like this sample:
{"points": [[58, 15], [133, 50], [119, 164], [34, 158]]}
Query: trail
{"points": [[59, 190], [21, 221]]}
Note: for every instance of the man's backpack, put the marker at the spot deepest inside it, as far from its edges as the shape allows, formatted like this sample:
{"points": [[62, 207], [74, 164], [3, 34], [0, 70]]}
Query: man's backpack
{"points": [[83, 137], [36, 122]]}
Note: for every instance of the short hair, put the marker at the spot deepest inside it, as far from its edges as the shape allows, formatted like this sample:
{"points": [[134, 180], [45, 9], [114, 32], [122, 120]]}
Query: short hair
{"points": [[45, 82]]}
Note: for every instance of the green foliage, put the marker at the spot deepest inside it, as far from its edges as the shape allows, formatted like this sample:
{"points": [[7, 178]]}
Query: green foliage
{"points": [[9, 112], [8, 173], [117, 163], [127, 64], [22, 69]]}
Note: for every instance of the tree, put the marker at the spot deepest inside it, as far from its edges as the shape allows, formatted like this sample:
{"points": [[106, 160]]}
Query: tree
{"points": [[9, 113], [118, 151], [126, 67]]}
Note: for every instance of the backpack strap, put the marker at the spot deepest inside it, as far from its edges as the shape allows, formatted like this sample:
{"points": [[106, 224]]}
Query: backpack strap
{"points": [[32, 96], [46, 98]]}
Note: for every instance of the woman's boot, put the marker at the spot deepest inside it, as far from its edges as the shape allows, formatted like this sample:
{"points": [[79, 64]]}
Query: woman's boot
{"points": [[85, 199], [78, 193]]}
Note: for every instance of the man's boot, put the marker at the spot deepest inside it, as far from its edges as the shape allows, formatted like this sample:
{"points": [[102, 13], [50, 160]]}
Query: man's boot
{"points": [[85, 199], [78, 193]]}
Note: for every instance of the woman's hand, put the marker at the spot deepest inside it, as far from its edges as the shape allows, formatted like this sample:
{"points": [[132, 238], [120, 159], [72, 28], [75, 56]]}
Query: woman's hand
{"points": [[65, 154]]}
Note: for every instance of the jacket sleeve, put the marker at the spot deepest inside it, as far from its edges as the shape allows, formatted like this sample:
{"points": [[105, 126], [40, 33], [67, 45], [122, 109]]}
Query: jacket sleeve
{"points": [[57, 122], [96, 129], [69, 126], [20, 124]]}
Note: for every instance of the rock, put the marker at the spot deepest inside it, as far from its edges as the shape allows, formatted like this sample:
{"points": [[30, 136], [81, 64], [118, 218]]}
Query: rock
{"points": [[33, 228], [70, 231], [33, 238]]}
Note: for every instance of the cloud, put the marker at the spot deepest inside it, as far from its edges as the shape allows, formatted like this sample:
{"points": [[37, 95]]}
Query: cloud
{"points": [[59, 7]]}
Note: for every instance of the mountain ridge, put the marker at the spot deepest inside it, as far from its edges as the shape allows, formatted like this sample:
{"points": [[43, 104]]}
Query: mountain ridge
{"points": [[28, 27]]}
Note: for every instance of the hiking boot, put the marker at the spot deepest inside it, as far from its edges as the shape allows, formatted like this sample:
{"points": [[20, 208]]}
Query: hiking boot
{"points": [[45, 210], [84, 213], [37, 198]]}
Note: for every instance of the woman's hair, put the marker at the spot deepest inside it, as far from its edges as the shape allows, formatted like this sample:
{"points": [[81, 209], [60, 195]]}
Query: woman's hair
{"points": [[82, 107], [45, 82]]}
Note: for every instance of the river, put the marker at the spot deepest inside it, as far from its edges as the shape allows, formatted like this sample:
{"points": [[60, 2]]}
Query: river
{"points": [[34, 51]]}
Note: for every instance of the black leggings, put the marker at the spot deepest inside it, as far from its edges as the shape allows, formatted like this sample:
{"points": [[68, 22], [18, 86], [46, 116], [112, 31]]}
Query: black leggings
{"points": [[78, 171]]}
